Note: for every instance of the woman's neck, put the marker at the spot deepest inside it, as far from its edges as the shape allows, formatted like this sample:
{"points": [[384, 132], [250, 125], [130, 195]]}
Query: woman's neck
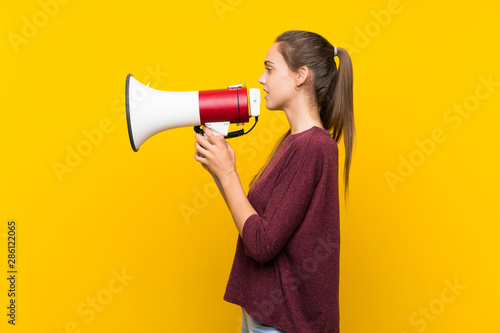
{"points": [[302, 116]]}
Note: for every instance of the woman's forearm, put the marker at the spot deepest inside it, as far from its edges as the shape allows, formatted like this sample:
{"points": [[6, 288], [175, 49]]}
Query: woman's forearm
{"points": [[221, 190], [236, 199]]}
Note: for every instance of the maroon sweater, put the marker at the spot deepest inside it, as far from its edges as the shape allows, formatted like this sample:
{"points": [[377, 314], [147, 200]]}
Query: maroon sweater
{"points": [[285, 272]]}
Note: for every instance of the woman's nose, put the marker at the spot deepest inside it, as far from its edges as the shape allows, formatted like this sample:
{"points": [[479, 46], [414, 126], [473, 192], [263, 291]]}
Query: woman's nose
{"points": [[262, 80]]}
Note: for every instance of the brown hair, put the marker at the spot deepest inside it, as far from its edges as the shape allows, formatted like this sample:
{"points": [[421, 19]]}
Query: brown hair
{"points": [[332, 88]]}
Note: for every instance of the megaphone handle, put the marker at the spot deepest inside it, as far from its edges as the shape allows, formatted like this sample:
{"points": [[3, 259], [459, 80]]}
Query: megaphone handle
{"points": [[234, 134]]}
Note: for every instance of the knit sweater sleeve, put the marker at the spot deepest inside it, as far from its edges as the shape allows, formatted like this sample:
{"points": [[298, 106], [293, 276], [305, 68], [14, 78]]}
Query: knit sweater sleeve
{"points": [[266, 233]]}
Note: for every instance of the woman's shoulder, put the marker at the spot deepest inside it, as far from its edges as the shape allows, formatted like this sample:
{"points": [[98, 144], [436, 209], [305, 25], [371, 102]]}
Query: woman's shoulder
{"points": [[312, 148], [313, 141]]}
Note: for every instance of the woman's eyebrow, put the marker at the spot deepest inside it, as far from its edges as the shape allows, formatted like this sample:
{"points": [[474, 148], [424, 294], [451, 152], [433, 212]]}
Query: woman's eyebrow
{"points": [[268, 61]]}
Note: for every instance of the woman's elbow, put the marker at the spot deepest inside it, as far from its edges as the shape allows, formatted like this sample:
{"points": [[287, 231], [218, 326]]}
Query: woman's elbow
{"points": [[262, 256]]}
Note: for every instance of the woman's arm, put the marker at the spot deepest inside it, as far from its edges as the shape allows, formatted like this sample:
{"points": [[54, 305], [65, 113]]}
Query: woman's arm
{"points": [[219, 186], [217, 156], [236, 199]]}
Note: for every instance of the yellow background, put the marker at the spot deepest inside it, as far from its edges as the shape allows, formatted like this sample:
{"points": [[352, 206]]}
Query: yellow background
{"points": [[155, 214]]}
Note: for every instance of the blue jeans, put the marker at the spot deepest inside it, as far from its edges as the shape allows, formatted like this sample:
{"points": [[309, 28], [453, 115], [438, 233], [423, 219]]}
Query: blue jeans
{"points": [[250, 325]]}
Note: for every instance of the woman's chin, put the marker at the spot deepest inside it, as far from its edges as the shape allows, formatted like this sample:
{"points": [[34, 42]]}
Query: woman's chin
{"points": [[270, 106]]}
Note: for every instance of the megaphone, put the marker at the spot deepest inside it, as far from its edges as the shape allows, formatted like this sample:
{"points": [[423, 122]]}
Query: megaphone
{"points": [[151, 111]]}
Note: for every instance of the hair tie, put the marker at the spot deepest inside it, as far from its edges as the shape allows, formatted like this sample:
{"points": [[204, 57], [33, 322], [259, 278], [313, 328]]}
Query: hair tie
{"points": [[334, 51]]}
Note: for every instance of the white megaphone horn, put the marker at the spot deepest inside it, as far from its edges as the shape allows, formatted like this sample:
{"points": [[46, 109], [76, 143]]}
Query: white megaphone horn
{"points": [[151, 111]]}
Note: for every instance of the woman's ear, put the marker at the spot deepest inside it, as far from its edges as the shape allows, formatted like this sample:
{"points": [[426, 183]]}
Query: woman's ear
{"points": [[303, 74]]}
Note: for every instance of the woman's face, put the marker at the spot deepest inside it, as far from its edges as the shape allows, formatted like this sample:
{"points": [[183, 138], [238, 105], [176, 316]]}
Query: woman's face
{"points": [[277, 80]]}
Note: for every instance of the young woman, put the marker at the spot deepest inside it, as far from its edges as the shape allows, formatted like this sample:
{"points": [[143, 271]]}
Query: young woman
{"points": [[285, 273]]}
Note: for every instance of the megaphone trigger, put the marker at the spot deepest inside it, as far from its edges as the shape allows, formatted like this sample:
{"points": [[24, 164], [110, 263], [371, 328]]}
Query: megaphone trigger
{"points": [[219, 128]]}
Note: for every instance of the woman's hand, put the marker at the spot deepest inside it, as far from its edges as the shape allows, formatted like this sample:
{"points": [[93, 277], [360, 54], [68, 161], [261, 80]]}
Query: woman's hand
{"points": [[217, 158]]}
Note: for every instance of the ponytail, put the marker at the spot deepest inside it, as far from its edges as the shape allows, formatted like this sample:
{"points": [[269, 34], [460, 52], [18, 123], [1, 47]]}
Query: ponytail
{"points": [[337, 111]]}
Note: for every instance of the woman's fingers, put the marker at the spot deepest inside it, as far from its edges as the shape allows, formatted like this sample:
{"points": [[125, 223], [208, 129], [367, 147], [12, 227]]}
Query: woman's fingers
{"points": [[201, 150], [212, 136], [202, 141]]}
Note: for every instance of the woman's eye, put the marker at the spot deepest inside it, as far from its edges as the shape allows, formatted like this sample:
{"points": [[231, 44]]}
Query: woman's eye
{"points": [[268, 69]]}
